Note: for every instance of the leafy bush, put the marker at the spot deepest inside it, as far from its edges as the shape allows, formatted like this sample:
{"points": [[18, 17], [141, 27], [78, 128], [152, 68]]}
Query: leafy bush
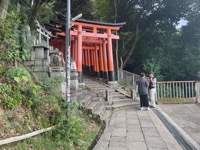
{"points": [[19, 89], [9, 48], [69, 133], [12, 47]]}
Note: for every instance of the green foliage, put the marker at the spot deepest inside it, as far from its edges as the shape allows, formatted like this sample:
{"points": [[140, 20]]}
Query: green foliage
{"points": [[48, 110], [53, 86], [19, 89], [20, 73], [8, 45], [152, 65], [101, 10], [70, 135], [45, 12], [12, 47], [11, 98], [75, 135]]}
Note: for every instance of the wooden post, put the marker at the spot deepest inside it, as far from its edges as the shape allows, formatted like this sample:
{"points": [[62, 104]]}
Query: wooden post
{"points": [[83, 60], [72, 49], [76, 51], [105, 60], [94, 62], [101, 69], [109, 96], [111, 73], [97, 61], [89, 61], [86, 61], [80, 53], [197, 90]]}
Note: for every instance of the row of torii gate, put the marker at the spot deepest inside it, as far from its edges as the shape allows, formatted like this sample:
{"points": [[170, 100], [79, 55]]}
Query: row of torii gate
{"points": [[91, 45]]}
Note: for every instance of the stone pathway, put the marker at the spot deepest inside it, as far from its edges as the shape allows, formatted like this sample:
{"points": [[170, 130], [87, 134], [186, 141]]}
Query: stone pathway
{"points": [[132, 129], [187, 117], [129, 128]]}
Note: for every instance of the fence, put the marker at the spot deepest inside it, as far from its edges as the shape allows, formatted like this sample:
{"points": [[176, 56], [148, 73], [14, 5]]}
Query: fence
{"points": [[167, 91], [127, 79], [176, 92]]}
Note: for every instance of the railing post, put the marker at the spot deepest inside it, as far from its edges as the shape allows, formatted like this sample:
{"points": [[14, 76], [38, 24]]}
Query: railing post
{"points": [[118, 75], [133, 94], [197, 92], [133, 81], [109, 96]]}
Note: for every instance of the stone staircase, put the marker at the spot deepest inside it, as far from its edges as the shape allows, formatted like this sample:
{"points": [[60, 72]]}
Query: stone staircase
{"points": [[95, 102]]}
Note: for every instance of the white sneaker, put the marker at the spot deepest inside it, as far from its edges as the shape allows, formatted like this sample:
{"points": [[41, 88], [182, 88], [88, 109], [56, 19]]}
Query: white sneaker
{"points": [[148, 109], [142, 108]]}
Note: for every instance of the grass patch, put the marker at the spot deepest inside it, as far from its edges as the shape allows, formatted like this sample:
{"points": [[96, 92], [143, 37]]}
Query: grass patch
{"points": [[78, 134]]}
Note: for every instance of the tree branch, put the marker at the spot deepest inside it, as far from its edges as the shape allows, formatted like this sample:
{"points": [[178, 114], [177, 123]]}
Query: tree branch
{"points": [[132, 47]]}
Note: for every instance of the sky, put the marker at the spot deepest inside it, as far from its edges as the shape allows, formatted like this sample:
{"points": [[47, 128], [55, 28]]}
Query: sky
{"points": [[181, 23]]}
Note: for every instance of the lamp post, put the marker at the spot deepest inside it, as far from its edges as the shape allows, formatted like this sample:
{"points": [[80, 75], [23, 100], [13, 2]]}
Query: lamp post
{"points": [[67, 56]]}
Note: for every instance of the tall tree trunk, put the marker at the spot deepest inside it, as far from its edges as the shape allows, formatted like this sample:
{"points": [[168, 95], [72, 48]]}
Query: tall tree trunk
{"points": [[33, 15], [116, 42], [121, 63], [132, 47], [3, 8]]}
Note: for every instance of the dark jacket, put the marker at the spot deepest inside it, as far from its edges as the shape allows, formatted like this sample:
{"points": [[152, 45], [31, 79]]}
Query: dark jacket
{"points": [[143, 85]]}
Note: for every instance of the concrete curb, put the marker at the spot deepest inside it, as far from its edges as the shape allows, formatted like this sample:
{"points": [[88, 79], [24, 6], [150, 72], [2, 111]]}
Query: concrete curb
{"points": [[186, 137]]}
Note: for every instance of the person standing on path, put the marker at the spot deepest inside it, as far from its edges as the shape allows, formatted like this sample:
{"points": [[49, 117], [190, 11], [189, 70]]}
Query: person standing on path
{"points": [[152, 90], [143, 85]]}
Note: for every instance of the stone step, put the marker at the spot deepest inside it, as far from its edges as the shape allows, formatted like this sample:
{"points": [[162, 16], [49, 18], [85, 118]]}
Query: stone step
{"points": [[96, 86], [101, 145], [123, 92], [93, 106], [118, 100], [117, 93], [106, 116], [94, 80], [90, 82], [86, 101], [93, 94], [119, 96], [99, 88], [78, 95], [86, 97], [99, 111], [98, 99], [93, 83], [101, 94], [124, 104], [104, 141]]}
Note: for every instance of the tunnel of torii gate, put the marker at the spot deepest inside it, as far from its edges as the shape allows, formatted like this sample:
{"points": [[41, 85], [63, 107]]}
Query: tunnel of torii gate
{"points": [[91, 45]]}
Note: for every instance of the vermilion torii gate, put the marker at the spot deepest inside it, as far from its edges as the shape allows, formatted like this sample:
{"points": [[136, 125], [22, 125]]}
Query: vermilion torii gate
{"points": [[91, 45]]}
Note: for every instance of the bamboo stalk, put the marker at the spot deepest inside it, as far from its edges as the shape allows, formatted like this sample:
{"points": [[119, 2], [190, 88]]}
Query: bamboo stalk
{"points": [[23, 137]]}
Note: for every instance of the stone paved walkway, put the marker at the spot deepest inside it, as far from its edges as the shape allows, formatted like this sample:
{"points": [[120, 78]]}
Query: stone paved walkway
{"points": [[133, 129], [187, 117]]}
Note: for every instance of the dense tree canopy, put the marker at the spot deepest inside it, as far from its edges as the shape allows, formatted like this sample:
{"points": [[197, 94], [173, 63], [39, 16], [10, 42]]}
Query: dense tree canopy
{"points": [[149, 40]]}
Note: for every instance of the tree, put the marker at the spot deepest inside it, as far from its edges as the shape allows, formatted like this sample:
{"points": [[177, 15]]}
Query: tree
{"points": [[143, 14], [101, 10], [35, 7], [77, 7], [3, 8]]}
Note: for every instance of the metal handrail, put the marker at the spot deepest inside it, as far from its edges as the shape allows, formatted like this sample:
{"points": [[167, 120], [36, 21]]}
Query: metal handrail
{"points": [[167, 91]]}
